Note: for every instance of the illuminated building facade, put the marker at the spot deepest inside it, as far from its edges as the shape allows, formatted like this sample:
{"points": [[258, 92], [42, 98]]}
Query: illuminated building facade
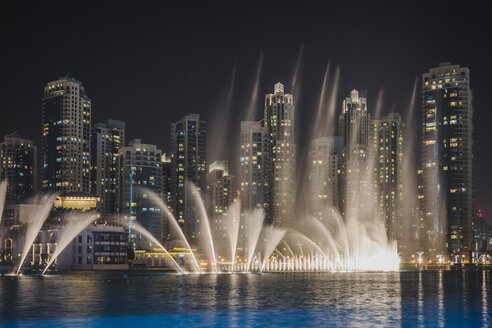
{"points": [[447, 150], [254, 165], [65, 136], [18, 165], [188, 165], [140, 170], [387, 139], [325, 164], [107, 139], [279, 121], [166, 192]]}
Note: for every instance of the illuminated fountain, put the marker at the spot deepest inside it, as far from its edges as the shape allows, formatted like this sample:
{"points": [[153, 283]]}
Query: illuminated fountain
{"points": [[3, 192], [39, 210], [147, 234], [75, 223]]}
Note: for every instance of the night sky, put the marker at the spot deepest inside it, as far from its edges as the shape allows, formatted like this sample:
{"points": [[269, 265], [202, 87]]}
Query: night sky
{"points": [[150, 64]]}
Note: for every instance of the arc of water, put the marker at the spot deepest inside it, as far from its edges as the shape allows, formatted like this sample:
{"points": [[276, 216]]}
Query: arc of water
{"points": [[76, 223], [147, 234], [3, 193], [38, 213], [163, 206], [255, 221], [205, 221], [232, 225], [273, 237], [329, 236]]}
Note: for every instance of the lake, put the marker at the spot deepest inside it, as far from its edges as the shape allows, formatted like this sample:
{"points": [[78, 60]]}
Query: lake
{"points": [[456, 298]]}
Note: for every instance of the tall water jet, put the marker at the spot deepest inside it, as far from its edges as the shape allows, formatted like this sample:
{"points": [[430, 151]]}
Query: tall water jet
{"points": [[379, 104], [272, 237], [205, 223], [76, 222], [39, 210], [174, 223], [146, 233], [218, 136], [332, 104], [253, 224], [232, 228], [296, 77], [318, 123], [3, 194], [250, 114]]}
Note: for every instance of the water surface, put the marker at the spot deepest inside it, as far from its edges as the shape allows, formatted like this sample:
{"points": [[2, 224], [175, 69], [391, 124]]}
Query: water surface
{"points": [[103, 299]]}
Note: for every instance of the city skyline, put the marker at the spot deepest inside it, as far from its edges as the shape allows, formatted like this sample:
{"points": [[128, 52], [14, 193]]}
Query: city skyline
{"points": [[159, 82]]}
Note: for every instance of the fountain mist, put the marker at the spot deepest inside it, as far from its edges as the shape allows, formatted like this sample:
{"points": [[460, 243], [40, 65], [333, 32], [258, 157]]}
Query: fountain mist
{"points": [[146, 233], [205, 224], [41, 206], [76, 222], [3, 193], [174, 223]]}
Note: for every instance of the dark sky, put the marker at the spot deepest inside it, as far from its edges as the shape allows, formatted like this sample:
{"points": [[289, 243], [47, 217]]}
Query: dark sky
{"points": [[149, 64]]}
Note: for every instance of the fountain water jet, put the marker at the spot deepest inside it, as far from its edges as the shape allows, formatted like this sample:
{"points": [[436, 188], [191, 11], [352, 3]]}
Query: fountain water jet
{"points": [[146, 233], [205, 223], [253, 223], [272, 237], [3, 193], [163, 206], [76, 223], [232, 228], [38, 213]]}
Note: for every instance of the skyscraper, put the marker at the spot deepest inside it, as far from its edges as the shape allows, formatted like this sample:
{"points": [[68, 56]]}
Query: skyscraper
{"points": [[139, 167], [447, 155], [279, 121], [387, 139], [65, 136], [188, 166], [353, 126], [18, 165], [254, 166], [325, 164], [219, 196], [107, 138], [166, 193]]}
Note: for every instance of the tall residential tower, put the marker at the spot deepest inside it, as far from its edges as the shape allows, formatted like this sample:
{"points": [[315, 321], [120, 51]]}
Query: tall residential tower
{"points": [[447, 156], [65, 136], [279, 121]]}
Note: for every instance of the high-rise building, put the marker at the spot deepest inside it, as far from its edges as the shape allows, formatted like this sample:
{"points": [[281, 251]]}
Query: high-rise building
{"points": [[254, 166], [447, 156], [279, 121], [387, 143], [18, 165], [65, 136], [139, 167], [107, 138], [325, 164], [218, 197], [166, 193], [353, 126], [188, 166], [420, 231]]}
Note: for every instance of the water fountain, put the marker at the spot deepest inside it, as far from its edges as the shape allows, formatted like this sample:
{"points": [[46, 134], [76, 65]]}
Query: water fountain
{"points": [[205, 225], [75, 223], [3, 193], [39, 210], [147, 234], [173, 222]]}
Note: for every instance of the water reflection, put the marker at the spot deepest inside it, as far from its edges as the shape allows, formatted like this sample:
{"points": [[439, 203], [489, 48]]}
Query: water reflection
{"points": [[426, 298]]}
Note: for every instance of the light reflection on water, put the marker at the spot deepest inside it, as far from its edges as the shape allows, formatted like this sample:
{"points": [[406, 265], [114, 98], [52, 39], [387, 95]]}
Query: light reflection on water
{"points": [[428, 298]]}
